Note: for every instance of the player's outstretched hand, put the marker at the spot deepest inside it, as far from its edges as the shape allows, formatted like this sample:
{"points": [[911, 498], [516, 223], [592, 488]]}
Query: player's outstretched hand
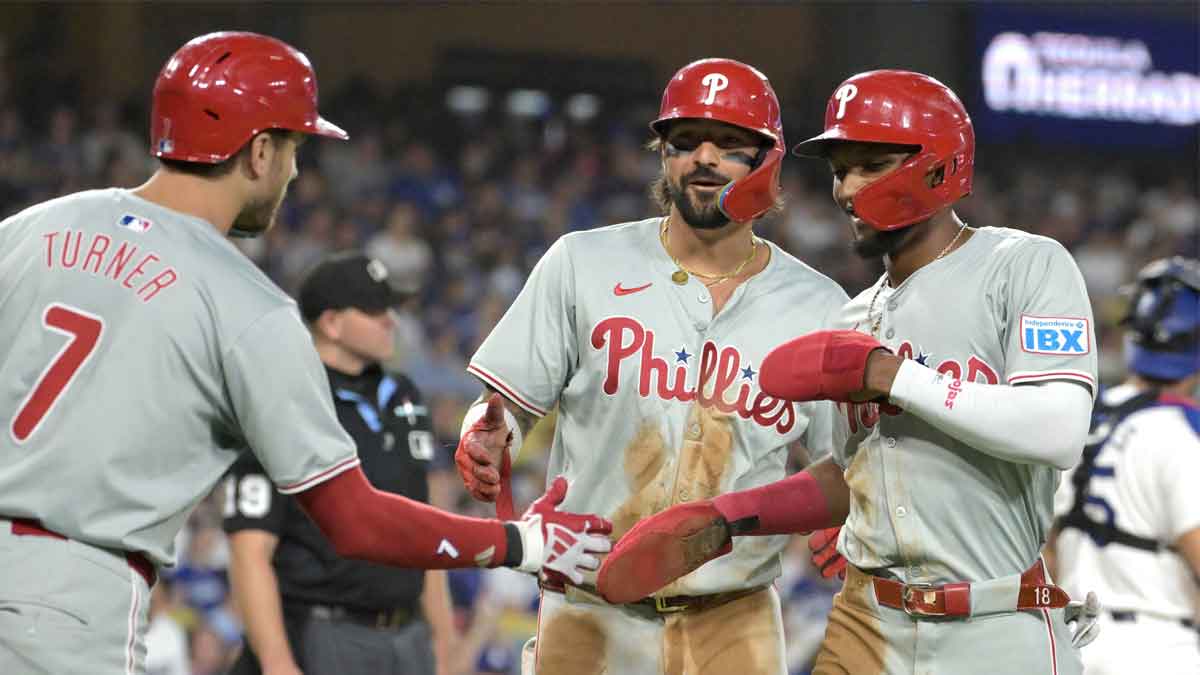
{"points": [[662, 548], [482, 455], [825, 365], [1083, 618], [825, 557], [560, 543]]}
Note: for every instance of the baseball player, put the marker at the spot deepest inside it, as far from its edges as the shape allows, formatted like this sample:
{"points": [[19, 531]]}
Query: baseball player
{"points": [[140, 353], [1129, 517], [965, 381], [649, 337]]}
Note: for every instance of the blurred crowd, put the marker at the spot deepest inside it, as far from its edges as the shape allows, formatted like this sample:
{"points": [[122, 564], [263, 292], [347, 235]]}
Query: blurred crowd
{"points": [[461, 206]]}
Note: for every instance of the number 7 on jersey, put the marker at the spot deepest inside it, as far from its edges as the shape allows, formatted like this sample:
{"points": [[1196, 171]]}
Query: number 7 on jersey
{"points": [[85, 330]]}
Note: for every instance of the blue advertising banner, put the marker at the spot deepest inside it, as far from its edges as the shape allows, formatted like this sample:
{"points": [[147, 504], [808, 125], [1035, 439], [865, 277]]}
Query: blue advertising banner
{"points": [[1084, 75]]}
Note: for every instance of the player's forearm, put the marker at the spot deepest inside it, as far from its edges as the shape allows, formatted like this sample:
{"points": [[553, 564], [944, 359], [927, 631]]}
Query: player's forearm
{"points": [[1035, 424], [1188, 545], [435, 604], [255, 590], [525, 419], [368, 524], [1050, 553], [812, 499]]}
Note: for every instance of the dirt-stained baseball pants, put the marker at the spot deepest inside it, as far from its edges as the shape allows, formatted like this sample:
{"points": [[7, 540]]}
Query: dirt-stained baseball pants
{"points": [[67, 607], [863, 638], [743, 636]]}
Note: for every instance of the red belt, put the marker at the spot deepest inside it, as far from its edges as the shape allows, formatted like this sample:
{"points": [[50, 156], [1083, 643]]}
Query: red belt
{"points": [[138, 561], [954, 600]]}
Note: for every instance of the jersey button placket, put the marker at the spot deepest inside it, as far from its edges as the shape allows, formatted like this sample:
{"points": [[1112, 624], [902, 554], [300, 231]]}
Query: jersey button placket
{"points": [[892, 304]]}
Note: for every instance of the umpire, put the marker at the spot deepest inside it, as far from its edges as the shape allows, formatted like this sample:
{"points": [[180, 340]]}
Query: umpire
{"points": [[306, 609]]}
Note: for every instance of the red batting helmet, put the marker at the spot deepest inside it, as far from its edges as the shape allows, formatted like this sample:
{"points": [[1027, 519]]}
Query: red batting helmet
{"points": [[897, 106], [732, 92], [221, 89]]}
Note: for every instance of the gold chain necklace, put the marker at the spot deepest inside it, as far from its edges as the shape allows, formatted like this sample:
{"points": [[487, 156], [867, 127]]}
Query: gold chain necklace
{"points": [[883, 282], [680, 276]]}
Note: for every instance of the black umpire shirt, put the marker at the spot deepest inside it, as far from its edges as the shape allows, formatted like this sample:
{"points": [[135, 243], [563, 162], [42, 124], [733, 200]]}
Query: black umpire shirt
{"points": [[384, 415]]}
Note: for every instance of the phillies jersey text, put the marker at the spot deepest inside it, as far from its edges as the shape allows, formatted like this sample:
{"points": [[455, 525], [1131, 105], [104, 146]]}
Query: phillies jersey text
{"points": [[658, 399]]}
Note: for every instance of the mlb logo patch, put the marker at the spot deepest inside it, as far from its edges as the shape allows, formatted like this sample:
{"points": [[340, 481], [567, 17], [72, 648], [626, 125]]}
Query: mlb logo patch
{"points": [[134, 223], [1055, 335]]}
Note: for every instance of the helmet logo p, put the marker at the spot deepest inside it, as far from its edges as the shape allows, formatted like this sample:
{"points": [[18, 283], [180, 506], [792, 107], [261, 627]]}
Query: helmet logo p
{"points": [[844, 95], [715, 83]]}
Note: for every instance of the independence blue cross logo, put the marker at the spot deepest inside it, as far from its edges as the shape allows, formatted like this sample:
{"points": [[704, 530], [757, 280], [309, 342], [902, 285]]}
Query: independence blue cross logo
{"points": [[1054, 335]]}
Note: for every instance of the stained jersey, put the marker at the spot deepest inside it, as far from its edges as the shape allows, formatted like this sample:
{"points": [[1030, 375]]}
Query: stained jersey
{"points": [[601, 331], [140, 353], [1007, 307], [1144, 480]]}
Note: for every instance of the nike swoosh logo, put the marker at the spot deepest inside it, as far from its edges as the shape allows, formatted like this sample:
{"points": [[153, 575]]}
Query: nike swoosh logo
{"points": [[617, 290]]}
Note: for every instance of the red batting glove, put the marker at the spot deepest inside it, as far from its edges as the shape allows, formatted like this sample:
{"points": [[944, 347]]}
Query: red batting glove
{"points": [[662, 548], [825, 365], [482, 455], [825, 556]]}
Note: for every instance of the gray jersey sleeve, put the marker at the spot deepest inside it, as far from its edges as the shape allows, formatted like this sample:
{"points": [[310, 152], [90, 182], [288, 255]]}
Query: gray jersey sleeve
{"points": [[280, 394], [1050, 331], [530, 353], [819, 435]]}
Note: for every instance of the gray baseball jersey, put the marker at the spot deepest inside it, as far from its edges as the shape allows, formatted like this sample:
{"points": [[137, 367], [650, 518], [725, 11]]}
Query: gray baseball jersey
{"points": [[658, 399], [1007, 307], [140, 352]]}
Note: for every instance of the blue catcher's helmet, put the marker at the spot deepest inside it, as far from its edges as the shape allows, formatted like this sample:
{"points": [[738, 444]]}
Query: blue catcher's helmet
{"points": [[1163, 323]]}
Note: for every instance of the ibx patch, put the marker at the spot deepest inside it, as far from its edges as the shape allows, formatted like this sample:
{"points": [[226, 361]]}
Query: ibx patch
{"points": [[1055, 335]]}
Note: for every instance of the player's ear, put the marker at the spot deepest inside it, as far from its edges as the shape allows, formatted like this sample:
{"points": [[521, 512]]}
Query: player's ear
{"points": [[328, 325], [260, 155]]}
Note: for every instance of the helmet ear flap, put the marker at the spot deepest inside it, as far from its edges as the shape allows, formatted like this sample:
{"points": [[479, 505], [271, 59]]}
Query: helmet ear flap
{"points": [[757, 192]]}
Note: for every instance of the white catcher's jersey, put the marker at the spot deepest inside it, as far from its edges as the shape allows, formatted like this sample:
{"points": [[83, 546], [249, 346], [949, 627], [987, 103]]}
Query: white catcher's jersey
{"points": [[1145, 479], [140, 352], [601, 330], [1006, 307]]}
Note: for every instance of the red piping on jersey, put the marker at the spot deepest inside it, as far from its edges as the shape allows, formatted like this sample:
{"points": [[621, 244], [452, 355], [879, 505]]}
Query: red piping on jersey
{"points": [[1042, 376], [325, 475], [508, 391], [1050, 632]]}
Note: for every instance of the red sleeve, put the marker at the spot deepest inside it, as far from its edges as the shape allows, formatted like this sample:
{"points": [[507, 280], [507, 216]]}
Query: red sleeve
{"points": [[367, 524], [795, 504]]}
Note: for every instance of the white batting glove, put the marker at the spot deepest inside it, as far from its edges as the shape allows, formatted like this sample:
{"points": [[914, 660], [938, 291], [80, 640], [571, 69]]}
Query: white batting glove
{"points": [[1083, 618], [561, 543]]}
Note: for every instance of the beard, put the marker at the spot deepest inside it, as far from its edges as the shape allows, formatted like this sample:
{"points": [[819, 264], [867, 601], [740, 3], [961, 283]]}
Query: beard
{"points": [[257, 216], [701, 213], [876, 244]]}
